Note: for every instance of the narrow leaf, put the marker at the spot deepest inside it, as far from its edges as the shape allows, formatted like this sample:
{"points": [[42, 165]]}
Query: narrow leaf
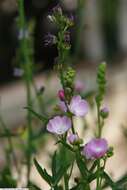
{"points": [[54, 164], [43, 173], [39, 116], [60, 174], [81, 165]]}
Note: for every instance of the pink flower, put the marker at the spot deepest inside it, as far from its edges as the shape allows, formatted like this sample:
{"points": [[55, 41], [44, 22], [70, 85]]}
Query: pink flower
{"points": [[96, 148], [78, 106], [59, 125], [73, 138], [61, 95]]}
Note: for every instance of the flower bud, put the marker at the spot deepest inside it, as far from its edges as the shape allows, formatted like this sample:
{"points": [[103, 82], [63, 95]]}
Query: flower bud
{"points": [[61, 95], [57, 10], [74, 139], [110, 152], [104, 112], [50, 39]]}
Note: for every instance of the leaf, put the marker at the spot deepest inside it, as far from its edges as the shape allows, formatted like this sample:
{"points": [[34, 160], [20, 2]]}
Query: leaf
{"points": [[60, 164], [4, 135], [54, 164], [43, 173], [81, 165], [109, 181], [81, 186], [60, 174], [93, 166], [122, 181], [39, 116], [32, 186], [66, 145], [6, 179]]}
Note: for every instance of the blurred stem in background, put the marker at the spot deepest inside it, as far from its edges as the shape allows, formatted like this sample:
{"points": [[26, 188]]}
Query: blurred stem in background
{"points": [[27, 66], [79, 27], [10, 150]]}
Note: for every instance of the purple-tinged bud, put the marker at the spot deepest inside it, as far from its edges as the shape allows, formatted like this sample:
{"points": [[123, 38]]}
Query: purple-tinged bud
{"points": [[74, 139], [61, 95], [50, 40], [95, 149], [71, 20], [67, 37], [104, 112], [57, 10], [62, 106]]}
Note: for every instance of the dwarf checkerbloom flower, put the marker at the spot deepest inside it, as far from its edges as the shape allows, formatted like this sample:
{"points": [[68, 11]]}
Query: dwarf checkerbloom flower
{"points": [[96, 148], [59, 125]]}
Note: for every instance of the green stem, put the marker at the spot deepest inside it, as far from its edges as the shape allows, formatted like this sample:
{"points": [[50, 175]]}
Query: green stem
{"points": [[99, 121], [27, 66], [10, 144], [79, 28], [98, 186], [66, 181], [99, 180]]}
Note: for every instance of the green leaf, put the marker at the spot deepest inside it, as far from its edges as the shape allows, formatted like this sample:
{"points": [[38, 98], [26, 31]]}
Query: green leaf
{"points": [[32, 186], [66, 145], [122, 181], [4, 135], [81, 165], [81, 186], [109, 181], [6, 179], [60, 164], [60, 174], [39, 116], [93, 166], [43, 173], [54, 164]]}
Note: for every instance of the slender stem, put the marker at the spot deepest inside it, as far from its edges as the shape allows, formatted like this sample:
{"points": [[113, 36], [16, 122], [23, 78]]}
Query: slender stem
{"points": [[98, 176], [98, 186], [27, 66], [66, 181], [10, 144], [99, 121], [79, 28]]}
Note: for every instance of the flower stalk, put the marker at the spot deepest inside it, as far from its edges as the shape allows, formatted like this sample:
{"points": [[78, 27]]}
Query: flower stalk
{"points": [[27, 66]]}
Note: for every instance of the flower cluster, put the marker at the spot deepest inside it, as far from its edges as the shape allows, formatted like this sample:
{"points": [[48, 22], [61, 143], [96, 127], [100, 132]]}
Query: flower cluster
{"points": [[59, 125], [72, 150], [77, 106], [62, 22], [71, 103]]}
